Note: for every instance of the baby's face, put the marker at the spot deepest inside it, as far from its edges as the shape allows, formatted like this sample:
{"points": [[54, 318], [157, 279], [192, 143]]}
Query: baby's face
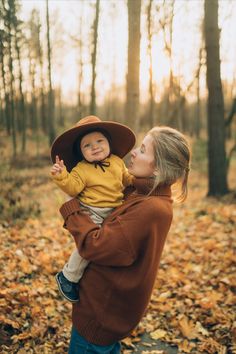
{"points": [[95, 147]]}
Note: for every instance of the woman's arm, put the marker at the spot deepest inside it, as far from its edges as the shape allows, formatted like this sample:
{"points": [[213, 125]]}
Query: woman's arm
{"points": [[107, 245], [124, 234]]}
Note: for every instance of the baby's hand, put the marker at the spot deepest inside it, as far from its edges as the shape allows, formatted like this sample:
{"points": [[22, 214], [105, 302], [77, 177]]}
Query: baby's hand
{"points": [[57, 167]]}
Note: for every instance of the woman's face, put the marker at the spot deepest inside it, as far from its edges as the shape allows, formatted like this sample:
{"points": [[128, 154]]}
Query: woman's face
{"points": [[142, 163]]}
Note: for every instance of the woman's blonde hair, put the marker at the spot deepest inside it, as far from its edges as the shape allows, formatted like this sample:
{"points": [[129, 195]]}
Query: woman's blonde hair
{"points": [[172, 157]]}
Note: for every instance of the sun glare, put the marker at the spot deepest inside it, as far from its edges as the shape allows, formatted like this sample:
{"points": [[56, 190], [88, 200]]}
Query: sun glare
{"points": [[113, 44]]}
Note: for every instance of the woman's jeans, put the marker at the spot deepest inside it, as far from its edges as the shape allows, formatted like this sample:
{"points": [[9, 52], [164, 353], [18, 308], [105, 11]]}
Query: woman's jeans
{"points": [[79, 345]]}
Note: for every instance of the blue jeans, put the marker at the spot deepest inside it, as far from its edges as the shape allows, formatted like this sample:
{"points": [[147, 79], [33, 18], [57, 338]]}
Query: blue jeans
{"points": [[79, 345]]}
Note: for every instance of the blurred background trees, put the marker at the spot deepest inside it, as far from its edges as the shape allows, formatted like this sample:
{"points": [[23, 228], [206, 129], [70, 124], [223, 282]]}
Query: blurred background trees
{"points": [[169, 73], [132, 86]]}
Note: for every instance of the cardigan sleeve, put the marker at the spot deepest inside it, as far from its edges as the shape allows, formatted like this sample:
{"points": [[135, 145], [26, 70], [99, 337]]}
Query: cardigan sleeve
{"points": [[107, 245], [124, 234], [71, 183]]}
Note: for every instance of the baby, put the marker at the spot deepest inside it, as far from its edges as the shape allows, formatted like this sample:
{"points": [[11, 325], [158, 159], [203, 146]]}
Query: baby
{"points": [[95, 173]]}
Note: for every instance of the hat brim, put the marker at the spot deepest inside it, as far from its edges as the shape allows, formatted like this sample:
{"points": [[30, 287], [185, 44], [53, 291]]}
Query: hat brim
{"points": [[122, 141]]}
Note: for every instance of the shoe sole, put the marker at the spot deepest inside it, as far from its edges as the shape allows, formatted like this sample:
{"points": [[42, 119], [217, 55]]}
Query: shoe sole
{"points": [[62, 293]]}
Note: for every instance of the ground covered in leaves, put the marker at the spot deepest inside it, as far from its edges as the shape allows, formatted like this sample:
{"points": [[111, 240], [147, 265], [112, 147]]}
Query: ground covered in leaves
{"points": [[193, 305]]}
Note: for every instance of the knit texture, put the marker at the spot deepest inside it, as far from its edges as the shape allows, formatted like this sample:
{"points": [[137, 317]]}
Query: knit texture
{"points": [[96, 186], [125, 254]]}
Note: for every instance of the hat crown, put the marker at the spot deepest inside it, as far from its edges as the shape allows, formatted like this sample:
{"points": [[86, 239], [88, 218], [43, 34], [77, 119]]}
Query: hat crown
{"points": [[88, 120]]}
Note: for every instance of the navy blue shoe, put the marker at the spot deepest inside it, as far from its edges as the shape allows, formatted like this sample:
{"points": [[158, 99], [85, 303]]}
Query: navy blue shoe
{"points": [[67, 288]]}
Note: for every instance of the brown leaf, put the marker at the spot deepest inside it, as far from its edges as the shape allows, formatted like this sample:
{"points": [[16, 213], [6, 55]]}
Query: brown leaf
{"points": [[188, 328]]}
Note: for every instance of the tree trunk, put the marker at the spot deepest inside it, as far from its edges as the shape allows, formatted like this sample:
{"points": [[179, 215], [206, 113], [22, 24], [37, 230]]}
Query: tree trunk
{"points": [[197, 118], [216, 125], [34, 111], [132, 87], [61, 121], [9, 26], [94, 56], [22, 100], [171, 96], [198, 111], [80, 108], [167, 27], [51, 119], [5, 91], [151, 95], [42, 95]]}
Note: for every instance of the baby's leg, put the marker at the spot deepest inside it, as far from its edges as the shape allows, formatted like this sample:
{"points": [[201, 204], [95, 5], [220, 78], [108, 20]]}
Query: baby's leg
{"points": [[67, 279], [74, 268]]}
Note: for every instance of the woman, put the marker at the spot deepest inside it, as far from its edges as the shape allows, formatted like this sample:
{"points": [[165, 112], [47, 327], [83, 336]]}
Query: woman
{"points": [[125, 252]]}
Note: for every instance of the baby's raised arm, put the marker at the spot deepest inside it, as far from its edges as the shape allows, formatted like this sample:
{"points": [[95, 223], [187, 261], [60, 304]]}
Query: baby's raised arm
{"points": [[57, 167]]}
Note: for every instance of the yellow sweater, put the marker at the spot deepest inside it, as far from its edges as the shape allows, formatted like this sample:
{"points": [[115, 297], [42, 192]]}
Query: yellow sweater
{"points": [[95, 187]]}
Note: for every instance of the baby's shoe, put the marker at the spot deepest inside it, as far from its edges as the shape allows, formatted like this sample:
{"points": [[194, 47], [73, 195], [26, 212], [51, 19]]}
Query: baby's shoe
{"points": [[67, 288]]}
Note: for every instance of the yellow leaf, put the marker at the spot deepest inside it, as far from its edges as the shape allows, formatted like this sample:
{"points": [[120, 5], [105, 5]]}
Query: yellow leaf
{"points": [[153, 352], [36, 310], [128, 342], [159, 333], [20, 336], [25, 266], [201, 329], [186, 346], [12, 323], [188, 328]]}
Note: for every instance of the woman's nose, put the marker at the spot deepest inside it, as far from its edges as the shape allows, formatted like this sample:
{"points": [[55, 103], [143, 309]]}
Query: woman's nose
{"points": [[133, 153]]}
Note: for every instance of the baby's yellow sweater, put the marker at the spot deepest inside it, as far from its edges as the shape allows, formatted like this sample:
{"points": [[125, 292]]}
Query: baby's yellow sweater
{"points": [[95, 187]]}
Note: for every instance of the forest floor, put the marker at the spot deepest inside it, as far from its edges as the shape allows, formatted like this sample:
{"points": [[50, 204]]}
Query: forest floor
{"points": [[193, 306]]}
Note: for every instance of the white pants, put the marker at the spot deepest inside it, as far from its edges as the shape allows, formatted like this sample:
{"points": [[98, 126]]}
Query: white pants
{"points": [[74, 268]]}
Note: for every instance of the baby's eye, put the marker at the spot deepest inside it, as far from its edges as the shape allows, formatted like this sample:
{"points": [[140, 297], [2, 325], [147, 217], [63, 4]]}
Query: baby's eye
{"points": [[100, 141], [86, 146], [142, 150]]}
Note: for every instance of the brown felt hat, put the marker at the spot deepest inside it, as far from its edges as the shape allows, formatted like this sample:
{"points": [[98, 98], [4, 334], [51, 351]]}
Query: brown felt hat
{"points": [[121, 139]]}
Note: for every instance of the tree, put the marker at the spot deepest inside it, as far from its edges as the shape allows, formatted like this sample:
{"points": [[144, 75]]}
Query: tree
{"points": [[94, 57], [78, 41], [217, 165], [151, 94], [228, 123], [51, 123], [132, 86], [10, 14], [22, 112], [166, 24], [81, 69], [34, 60], [6, 96], [39, 56], [197, 118]]}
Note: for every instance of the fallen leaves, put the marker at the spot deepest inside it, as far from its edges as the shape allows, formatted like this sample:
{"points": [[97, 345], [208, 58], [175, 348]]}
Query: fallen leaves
{"points": [[33, 316]]}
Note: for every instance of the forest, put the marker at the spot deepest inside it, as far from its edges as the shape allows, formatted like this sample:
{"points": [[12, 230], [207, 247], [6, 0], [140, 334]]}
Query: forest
{"points": [[141, 63]]}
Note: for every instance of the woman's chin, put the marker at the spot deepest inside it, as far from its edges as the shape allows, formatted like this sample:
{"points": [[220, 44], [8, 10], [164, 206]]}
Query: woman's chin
{"points": [[134, 173]]}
